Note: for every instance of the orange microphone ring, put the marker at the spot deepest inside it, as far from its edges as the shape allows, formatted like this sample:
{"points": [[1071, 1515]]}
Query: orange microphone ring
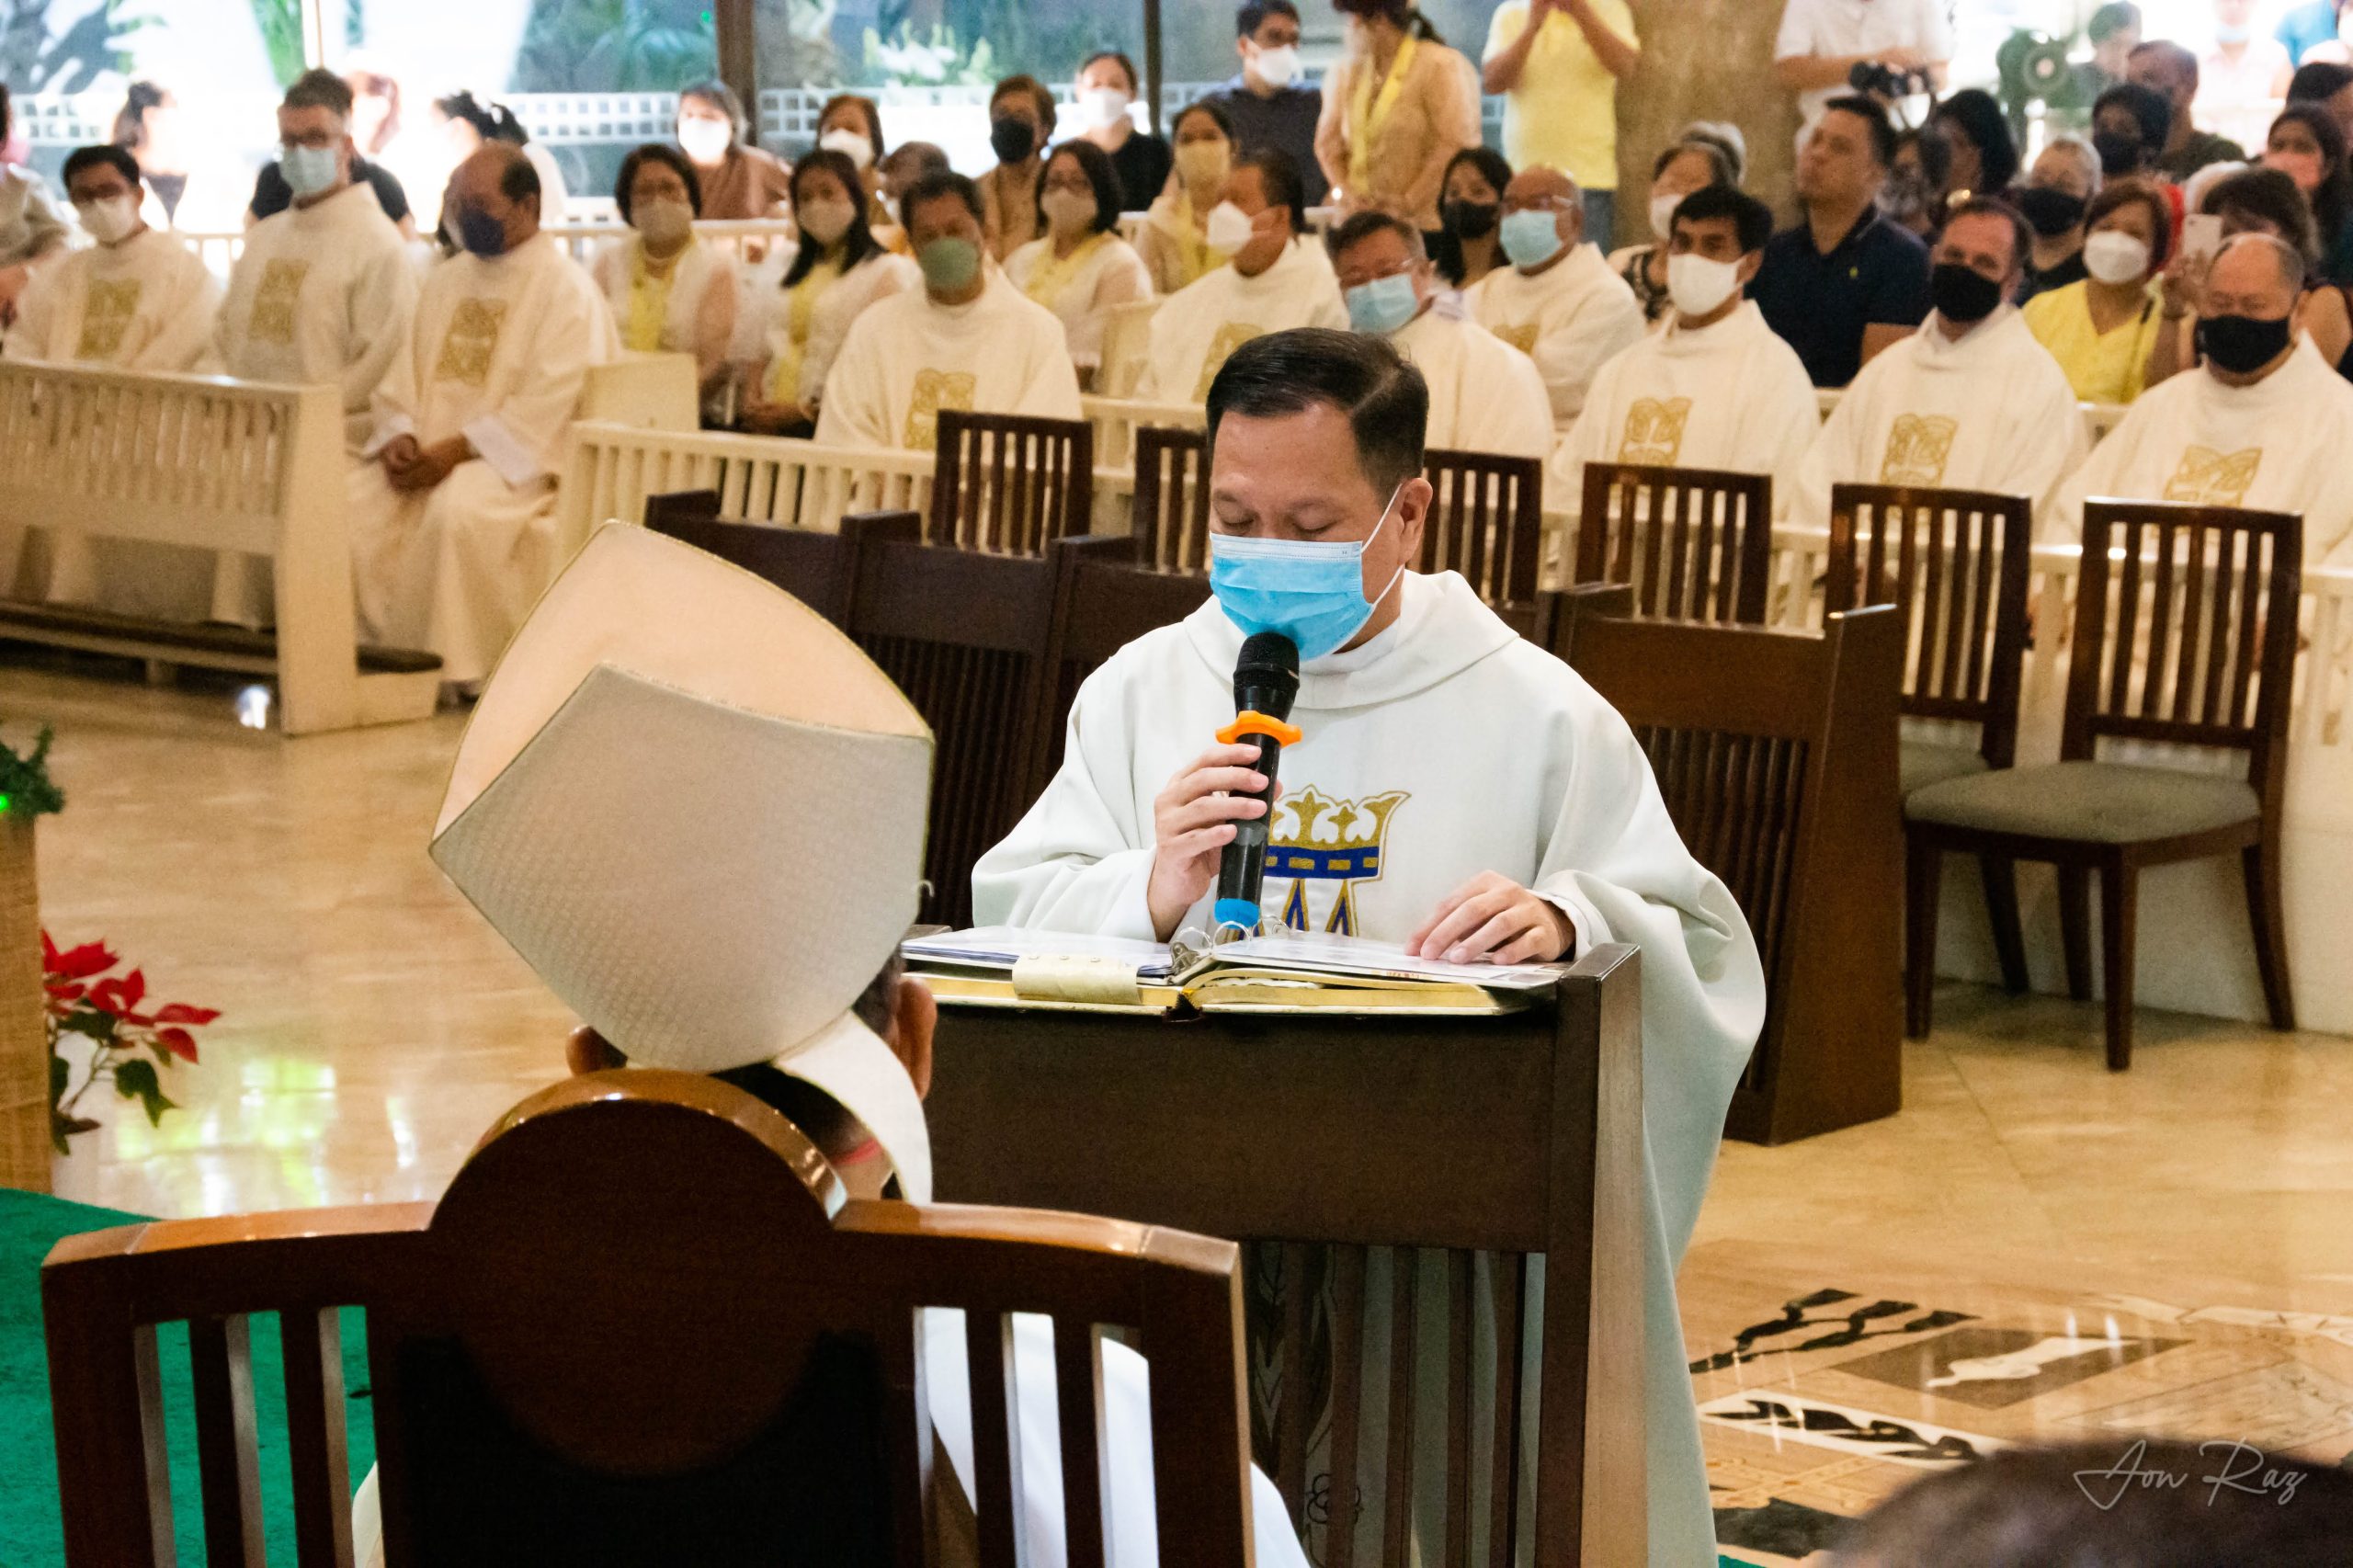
{"points": [[1255, 723]]}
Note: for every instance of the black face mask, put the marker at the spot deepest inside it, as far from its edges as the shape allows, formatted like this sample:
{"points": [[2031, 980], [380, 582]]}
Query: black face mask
{"points": [[2242, 344], [2119, 154], [1471, 220], [1012, 138], [1962, 295], [2050, 212]]}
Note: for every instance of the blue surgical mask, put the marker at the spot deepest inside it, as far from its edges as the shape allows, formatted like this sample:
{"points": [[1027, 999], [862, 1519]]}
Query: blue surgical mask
{"points": [[1531, 238], [1381, 306], [307, 170], [481, 233], [1311, 592]]}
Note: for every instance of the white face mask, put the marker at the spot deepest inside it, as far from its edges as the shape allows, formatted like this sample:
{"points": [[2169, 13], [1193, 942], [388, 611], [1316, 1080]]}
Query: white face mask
{"points": [[824, 221], [705, 140], [109, 221], [2114, 256], [1102, 107], [1068, 212], [1698, 285], [1203, 163], [1229, 228], [850, 144], [1276, 67], [1662, 215]]}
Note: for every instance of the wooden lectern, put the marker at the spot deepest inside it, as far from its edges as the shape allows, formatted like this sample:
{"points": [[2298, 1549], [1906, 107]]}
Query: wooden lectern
{"points": [[1511, 1136]]}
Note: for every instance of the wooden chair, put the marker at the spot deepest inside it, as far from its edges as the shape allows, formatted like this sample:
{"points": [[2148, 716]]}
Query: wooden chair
{"points": [[645, 1311], [2184, 635], [1172, 521], [1300, 1142], [1488, 522], [963, 633], [1775, 754], [818, 569], [1011, 484], [1100, 607], [1694, 544]]}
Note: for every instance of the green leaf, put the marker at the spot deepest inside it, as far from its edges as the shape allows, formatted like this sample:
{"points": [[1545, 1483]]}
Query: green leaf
{"points": [[137, 1080], [60, 1077]]}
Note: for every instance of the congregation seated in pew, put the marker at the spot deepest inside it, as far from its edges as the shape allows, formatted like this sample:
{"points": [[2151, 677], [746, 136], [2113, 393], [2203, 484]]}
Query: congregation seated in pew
{"points": [[2264, 424], [1558, 302], [1485, 395], [669, 291], [1276, 278], [1969, 401], [1080, 267], [137, 299], [453, 519], [968, 340], [1715, 388]]}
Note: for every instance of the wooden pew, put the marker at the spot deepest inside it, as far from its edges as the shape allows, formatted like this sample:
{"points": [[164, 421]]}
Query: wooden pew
{"points": [[219, 465], [645, 1298]]}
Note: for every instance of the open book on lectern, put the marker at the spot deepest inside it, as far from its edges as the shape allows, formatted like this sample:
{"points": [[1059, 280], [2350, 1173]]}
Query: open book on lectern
{"points": [[1006, 966]]}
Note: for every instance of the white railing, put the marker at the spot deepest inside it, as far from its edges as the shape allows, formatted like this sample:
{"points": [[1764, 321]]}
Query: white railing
{"points": [[1117, 420]]}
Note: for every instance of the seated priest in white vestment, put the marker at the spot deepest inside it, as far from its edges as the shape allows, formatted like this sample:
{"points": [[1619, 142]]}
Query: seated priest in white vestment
{"points": [[137, 299], [1558, 302], [1276, 278], [1715, 387], [1971, 401], [2266, 423], [967, 341], [453, 520], [1515, 816], [796, 730], [1485, 395]]}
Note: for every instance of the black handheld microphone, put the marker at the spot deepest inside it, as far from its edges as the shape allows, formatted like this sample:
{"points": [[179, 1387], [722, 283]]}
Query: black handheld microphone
{"points": [[1266, 681]]}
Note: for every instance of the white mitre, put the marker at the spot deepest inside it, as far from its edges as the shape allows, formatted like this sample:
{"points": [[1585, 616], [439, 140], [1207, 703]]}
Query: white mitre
{"points": [[697, 810]]}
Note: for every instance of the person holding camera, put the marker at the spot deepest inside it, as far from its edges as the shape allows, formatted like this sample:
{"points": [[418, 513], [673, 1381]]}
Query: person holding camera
{"points": [[1890, 49]]}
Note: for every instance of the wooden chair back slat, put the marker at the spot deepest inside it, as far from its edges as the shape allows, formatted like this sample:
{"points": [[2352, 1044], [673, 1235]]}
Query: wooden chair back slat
{"points": [[1078, 1394], [315, 1435], [640, 1276], [1397, 1487], [1292, 1417], [1460, 1266], [1510, 1284], [1775, 754], [1010, 484], [818, 569], [1956, 564], [1486, 521], [1347, 1402], [220, 1353], [2186, 631], [1693, 543], [1172, 515]]}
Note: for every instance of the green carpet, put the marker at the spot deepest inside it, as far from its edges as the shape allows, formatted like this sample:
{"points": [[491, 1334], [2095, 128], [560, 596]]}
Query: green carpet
{"points": [[31, 1536]]}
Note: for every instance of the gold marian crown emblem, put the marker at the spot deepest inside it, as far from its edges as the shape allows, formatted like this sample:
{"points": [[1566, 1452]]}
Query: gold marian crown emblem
{"points": [[1310, 821]]}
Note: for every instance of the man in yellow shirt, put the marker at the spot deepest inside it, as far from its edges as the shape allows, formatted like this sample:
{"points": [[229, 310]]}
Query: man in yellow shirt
{"points": [[1558, 63]]}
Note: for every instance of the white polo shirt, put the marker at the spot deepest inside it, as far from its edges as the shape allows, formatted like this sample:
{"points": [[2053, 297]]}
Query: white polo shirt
{"points": [[1859, 27]]}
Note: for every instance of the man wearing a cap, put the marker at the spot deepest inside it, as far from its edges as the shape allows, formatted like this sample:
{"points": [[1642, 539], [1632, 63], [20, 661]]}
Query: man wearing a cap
{"points": [[723, 924], [1456, 789]]}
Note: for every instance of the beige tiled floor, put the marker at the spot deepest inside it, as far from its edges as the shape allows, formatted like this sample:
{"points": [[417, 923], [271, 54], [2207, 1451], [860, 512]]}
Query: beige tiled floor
{"points": [[373, 1026]]}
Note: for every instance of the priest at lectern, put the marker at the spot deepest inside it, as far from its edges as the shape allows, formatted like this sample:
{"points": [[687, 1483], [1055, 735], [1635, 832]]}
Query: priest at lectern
{"points": [[1453, 789]]}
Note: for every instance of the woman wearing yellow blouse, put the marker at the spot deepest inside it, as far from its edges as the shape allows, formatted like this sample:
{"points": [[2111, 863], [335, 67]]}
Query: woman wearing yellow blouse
{"points": [[1021, 122], [1175, 244], [669, 291], [1081, 267], [839, 270], [2101, 329], [1397, 107]]}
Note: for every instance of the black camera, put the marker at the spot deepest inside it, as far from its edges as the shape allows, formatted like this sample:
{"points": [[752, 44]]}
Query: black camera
{"points": [[1882, 80]]}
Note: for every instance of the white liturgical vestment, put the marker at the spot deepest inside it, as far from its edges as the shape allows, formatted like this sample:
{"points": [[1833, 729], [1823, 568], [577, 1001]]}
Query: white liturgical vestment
{"points": [[2278, 445], [1443, 747], [1993, 412], [906, 359], [1569, 318], [145, 304], [1200, 324], [1732, 396], [1485, 395], [322, 293], [499, 354]]}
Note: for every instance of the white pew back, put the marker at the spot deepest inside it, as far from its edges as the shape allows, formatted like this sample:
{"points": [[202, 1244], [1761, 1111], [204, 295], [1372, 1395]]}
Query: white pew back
{"points": [[609, 470], [213, 464]]}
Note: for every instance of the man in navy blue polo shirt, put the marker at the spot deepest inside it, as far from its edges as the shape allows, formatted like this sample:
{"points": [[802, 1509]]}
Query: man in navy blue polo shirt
{"points": [[1844, 283], [1268, 100]]}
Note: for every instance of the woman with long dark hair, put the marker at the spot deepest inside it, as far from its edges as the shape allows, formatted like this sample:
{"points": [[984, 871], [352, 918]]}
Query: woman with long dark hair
{"points": [[839, 270]]}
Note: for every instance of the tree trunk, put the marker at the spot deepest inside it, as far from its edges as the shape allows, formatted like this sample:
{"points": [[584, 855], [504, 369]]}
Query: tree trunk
{"points": [[1703, 59]]}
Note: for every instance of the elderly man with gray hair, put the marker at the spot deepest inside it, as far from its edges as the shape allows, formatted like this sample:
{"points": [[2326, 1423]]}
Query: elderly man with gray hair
{"points": [[2266, 424]]}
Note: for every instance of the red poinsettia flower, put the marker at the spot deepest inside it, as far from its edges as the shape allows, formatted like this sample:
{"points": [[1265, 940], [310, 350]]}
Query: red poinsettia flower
{"points": [[120, 996], [180, 1042], [181, 1013], [74, 963]]}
